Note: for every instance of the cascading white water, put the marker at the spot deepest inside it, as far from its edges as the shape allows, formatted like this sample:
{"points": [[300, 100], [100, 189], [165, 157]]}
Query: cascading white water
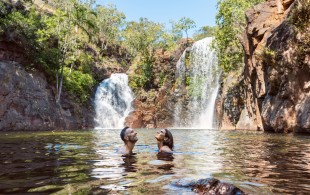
{"points": [[201, 78], [113, 101]]}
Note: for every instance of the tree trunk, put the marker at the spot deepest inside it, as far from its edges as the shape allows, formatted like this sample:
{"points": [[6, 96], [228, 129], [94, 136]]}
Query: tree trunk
{"points": [[60, 83], [186, 38], [56, 85]]}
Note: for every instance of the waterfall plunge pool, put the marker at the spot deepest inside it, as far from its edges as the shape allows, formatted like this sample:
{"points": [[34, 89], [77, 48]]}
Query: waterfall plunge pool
{"points": [[86, 162]]}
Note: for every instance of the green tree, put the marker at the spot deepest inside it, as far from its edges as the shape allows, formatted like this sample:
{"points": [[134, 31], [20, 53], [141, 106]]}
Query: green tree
{"points": [[228, 36], [71, 26], [109, 22], [205, 31], [184, 25], [171, 37], [142, 39], [55, 35]]}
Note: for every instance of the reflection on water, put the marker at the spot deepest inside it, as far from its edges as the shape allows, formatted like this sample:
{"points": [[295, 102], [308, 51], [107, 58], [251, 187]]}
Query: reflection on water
{"points": [[87, 162], [130, 163]]}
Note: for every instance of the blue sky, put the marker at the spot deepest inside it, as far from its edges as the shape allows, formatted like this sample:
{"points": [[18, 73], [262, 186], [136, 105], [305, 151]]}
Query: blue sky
{"points": [[201, 11]]}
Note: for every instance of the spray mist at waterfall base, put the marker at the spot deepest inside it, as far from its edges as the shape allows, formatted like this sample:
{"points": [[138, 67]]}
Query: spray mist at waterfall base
{"points": [[113, 101]]}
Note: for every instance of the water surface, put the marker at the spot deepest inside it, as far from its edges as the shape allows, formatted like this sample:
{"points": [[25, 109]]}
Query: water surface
{"points": [[86, 162]]}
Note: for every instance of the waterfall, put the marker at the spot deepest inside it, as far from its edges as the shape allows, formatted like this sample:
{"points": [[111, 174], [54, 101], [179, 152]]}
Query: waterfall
{"points": [[113, 101], [198, 74]]}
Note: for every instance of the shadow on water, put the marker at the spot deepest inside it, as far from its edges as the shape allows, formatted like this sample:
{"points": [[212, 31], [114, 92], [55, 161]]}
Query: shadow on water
{"points": [[130, 163], [168, 161], [86, 162]]}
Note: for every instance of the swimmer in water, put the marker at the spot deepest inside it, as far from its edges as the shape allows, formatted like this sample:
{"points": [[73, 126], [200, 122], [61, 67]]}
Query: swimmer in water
{"points": [[129, 137], [164, 141]]}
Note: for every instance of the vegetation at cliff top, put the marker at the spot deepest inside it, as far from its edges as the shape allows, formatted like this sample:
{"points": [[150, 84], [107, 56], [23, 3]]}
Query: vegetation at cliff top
{"points": [[300, 20], [66, 39], [143, 38], [75, 36], [231, 23], [300, 16], [203, 32], [185, 24]]}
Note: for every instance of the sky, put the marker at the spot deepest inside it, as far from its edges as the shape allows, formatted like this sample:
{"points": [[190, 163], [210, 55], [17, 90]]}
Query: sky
{"points": [[201, 11]]}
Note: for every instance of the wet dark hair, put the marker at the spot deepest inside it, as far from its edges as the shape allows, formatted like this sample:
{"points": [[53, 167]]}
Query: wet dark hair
{"points": [[123, 133], [169, 141]]}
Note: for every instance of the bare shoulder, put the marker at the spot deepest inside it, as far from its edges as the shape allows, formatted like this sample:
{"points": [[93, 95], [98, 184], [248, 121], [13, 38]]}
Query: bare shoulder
{"points": [[165, 149], [122, 150]]}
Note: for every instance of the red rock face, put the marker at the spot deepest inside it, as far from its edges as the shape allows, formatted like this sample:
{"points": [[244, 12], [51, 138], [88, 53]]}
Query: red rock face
{"points": [[276, 82], [151, 111], [261, 20], [134, 120], [154, 108]]}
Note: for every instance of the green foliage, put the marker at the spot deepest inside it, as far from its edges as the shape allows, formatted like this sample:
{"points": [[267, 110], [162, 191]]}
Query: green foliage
{"points": [[203, 32], [300, 16], [170, 38], [55, 40], [46, 59], [109, 21], [79, 84], [3, 10], [300, 20], [184, 25], [268, 57], [83, 63], [187, 59], [68, 36], [195, 86], [137, 81], [231, 24], [22, 28], [188, 81], [162, 79], [143, 38], [143, 77], [72, 27]]}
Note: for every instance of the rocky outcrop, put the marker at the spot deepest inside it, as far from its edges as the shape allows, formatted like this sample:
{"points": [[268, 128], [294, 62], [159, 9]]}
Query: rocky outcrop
{"points": [[272, 92], [209, 186], [116, 61], [277, 73], [154, 108], [11, 52], [28, 103], [229, 106]]}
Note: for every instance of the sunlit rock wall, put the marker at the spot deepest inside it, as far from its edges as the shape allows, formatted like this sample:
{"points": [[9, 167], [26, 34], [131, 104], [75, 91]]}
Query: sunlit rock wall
{"points": [[272, 92], [277, 74]]}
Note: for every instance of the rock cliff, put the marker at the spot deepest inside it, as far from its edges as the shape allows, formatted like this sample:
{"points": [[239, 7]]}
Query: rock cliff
{"points": [[229, 106], [154, 108], [28, 103], [276, 75]]}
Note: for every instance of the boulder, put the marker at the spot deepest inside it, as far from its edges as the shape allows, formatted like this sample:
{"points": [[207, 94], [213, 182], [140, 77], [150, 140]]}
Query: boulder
{"points": [[209, 186]]}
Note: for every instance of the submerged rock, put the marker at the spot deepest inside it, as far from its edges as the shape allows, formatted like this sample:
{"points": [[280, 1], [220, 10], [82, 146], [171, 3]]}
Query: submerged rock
{"points": [[209, 186]]}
